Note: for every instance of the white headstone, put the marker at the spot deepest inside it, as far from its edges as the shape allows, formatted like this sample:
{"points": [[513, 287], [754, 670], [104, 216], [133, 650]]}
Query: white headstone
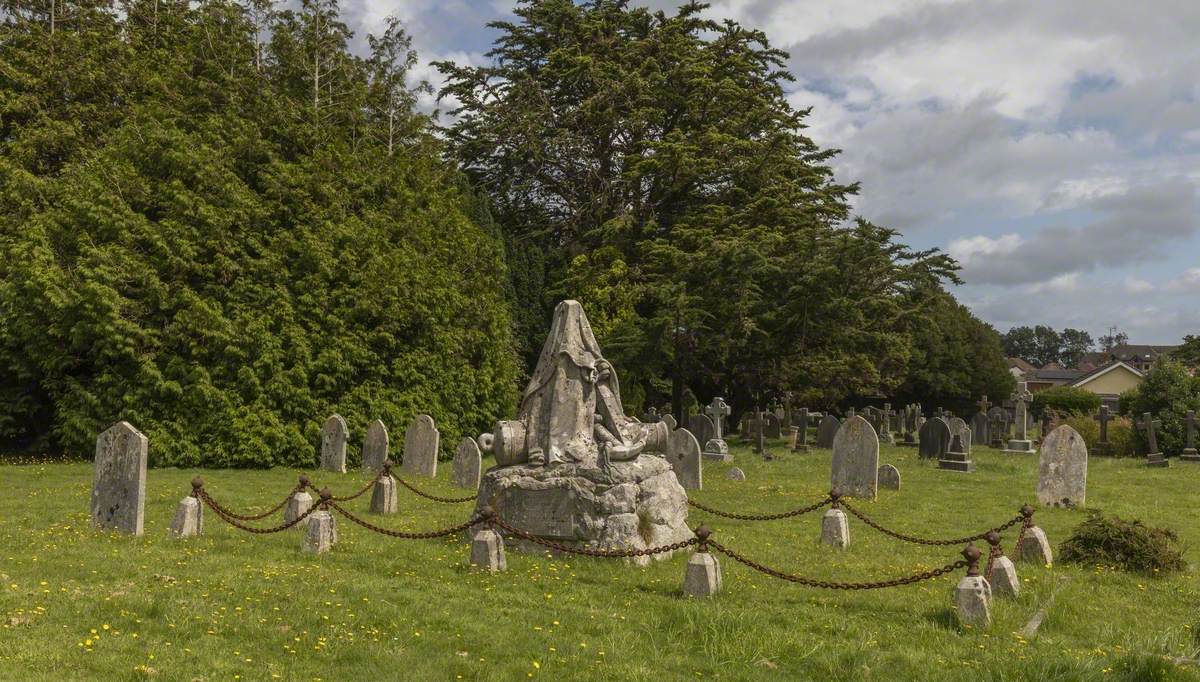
{"points": [[468, 464], [683, 453]]}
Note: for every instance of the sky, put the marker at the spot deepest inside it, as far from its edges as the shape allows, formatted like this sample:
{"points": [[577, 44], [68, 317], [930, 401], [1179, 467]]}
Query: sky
{"points": [[1053, 148]]}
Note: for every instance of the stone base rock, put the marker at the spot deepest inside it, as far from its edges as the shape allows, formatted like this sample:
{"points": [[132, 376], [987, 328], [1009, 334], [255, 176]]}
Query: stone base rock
{"points": [[189, 518], [1003, 578], [383, 496], [1190, 455], [1157, 460], [703, 575], [971, 602], [956, 461], [835, 531], [321, 535], [297, 504], [1034, 547], [487, 551], [717, 449], [735, 474], [632, 505], [1022, 447]]}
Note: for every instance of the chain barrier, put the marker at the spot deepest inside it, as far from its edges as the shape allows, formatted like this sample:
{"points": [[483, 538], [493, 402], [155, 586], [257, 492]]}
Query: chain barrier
{"points": [[601, 553], [200, 494], [356, 495], [925, 541], [435, 498], [834, 585], [1027, 515], [762, 517], [475, 520], [993, 539]]}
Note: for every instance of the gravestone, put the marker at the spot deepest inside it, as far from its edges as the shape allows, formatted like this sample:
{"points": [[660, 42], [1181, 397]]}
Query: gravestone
{"points": [[745, 426], [1020, 443], [1154, 458], [701, 427], [1062, 469], [334, 436], [735, 474], [383, 496], [998, 426], [884, 430], [801, 422], [957, 458], [912, 424], [669, 420], [855, 468], [771, 426], [827, 431], [683, 453], [421, 442], [716, 447], [1103, 447], [375, 446], [468, 464], [889, 477], [651, 416], [979, 423], [1189, 453], [873, 417], [958, 427], [935, 439], [119, 479]]}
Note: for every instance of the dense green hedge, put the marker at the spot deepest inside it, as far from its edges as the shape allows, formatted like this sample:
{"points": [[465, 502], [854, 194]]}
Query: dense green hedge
{"points": [[1065, 400]]}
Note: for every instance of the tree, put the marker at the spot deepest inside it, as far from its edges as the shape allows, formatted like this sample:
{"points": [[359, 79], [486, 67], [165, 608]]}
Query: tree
{"points": [[1188, 352], [1167, 392], [651, 167], [1065, 400], [1042, 345], [1074, 344], [1113, 338]]}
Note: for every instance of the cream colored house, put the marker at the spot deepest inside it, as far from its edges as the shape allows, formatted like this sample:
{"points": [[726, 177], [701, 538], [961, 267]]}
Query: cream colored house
{"points": [[1110, 381]]}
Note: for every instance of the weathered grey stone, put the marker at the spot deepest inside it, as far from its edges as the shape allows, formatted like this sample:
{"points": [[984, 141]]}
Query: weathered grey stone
{"points": [[958, 427], [716, 447], [375, 446], [1034, 547], [1154, 456], [702, 428], [855, 468], [574, 504], [297, 504], [334, 436], [321, 535], [835, 531], [1062, 469], [771, 425], [957, 457], [189, 519], [683, 454], [889, 477], [935, 439], [468, 464], [1003, 578], [1021, 444], [119, 479], [669, 420], [972, 603], [383, 496], [827, 431], [421, 443], [702, 577], [1190, 453], [487, 551], [735, 474]]}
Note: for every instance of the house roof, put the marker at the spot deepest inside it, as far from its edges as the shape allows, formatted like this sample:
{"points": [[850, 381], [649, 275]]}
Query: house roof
{"points": [[1056, 374], [1020, 364], [1105, 369], [1127, 351]]}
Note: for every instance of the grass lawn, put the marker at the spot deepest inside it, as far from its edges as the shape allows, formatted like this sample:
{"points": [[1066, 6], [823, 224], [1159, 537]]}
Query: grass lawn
{"points": [[81, 604]]}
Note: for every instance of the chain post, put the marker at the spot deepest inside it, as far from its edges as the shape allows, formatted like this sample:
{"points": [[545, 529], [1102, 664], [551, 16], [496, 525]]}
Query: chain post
{"points": [[702, 533], [993, 539], [326, 498], [834, 500], [197, 487], [303, 484], [971, 553]]}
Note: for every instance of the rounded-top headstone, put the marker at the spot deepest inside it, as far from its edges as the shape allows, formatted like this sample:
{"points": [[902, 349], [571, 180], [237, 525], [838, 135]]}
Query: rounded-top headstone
{"points": [[935, 438], [421, 442], [855, 468], [468, 464], [889, 477], [375, 446], [683, 454], [736, 474], [1062, 469], [827, 430], [334, 436]]}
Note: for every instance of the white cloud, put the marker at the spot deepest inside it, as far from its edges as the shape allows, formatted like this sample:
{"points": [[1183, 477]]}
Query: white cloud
{"points": [[1061, 284], [971, 249], [1188, 281], [1133, 285]]}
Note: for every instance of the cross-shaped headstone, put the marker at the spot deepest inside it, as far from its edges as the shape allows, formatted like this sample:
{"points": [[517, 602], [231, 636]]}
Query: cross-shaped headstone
{"points": [[802, 426], [887, 413], [940, 413], [718, 410], [1022, 396], [983, 404], [850, 413], [1150, 424], [1189, 453], [1103, 418]]}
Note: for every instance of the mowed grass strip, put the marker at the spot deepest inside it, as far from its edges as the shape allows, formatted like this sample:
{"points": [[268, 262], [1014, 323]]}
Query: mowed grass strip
{"points": [[76, 603]]}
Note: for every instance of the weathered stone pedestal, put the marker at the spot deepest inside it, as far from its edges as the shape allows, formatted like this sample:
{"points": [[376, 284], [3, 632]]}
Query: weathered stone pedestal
{"points": [[717, 449], [1020, 447], [1003, 578], [1156, 459], [321, 535], [297, 504], [835, 531], [630, 505], [1034, 547], [189, 518], [487, 551], [1190, 455], [972, 602], [702, 577], [956, 461], [383, 496]]}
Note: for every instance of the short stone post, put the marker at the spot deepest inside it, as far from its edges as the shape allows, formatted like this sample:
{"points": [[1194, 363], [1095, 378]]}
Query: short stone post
{"points": [[299, 503], [487, 546], [383, 493], [702, 578], [189, 515], [835, 530], [1001, 574], [1033, 547], [972, 595], [322, 529]]}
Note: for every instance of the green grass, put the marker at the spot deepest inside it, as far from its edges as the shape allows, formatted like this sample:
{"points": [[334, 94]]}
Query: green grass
{"points": [[80, 604]]}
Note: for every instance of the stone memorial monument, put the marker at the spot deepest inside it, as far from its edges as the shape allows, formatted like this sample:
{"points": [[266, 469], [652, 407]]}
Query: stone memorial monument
{"points": [[334, 436], [1021, 444], [958, 427], [1103, 447], [889, 477], [716, 447], [468, 464], [701, 427], [119, 479], [375, 446], [935, 439], [1154, 457], [855, 468], [801, 425], [571, 466], [827, 430], [683, 454], [421, 443], [1062, 469], [1189, 453]]}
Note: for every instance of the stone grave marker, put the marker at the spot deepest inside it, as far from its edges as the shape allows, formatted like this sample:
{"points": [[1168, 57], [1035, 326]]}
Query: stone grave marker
{"points": [[1189, 453], [1154, 458], [958, 427], [958, 457], [935, 439], [119, 479], [701, 427], [334, 436], [997, 426], [735, 474], [771, 425], [855, 468], [468, 464], [375, 446], [827, 431], [669, 420], [889, 477], [801, 426], [716, 447], [421, 442], [1020, 442], [1062, 469], [1102, 445], [683, 453]]}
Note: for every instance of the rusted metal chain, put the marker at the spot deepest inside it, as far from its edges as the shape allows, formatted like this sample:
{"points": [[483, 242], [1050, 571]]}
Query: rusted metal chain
{"points": [[601, 553], [1027, 518], [254, 517], [834, 585], [356, 495], [762, 517], [926, 541], [993, 539], [203, 496], [475, 520], [435, 498]]}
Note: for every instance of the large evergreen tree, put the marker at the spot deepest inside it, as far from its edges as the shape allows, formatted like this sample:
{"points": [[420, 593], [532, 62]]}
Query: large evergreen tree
{"points": [[223, 239]]}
